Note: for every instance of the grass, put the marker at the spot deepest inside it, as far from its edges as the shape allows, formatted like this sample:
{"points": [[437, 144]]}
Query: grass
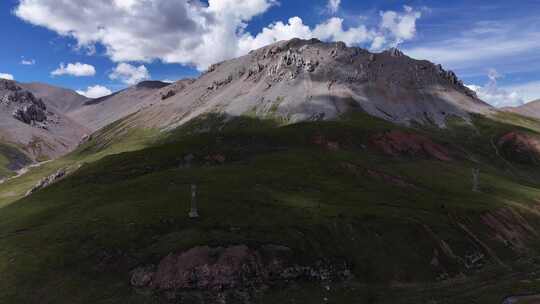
{"points": [[76, 241], [110, 140], [11, 158]]}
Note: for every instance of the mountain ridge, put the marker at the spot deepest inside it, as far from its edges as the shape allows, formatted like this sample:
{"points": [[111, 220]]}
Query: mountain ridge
{"points": [[64, 100], [530, 109], [300, 80], [34, 124]]}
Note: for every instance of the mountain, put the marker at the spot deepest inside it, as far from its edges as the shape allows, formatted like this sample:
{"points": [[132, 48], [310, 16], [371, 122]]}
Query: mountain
{"points": [[97, 113], [289, 81], [63, 100], [318, 173], [43, 122], [530, 109], [34, 125], [306, 80]]}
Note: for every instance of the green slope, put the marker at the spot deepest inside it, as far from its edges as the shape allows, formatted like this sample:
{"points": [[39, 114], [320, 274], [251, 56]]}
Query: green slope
{"points": [[11, 159], [318, 188]]}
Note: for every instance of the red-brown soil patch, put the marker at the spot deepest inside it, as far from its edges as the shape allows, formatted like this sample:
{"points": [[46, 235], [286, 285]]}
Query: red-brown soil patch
{"points": [[325, 143], [401, 143]]}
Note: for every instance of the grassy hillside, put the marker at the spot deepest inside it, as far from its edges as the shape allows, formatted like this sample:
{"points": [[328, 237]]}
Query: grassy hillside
{"points": [[406, 221], [11, 159]]}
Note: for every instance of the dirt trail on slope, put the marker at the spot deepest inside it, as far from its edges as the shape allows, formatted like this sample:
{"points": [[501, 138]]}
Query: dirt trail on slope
{"points": [[23, 171]]}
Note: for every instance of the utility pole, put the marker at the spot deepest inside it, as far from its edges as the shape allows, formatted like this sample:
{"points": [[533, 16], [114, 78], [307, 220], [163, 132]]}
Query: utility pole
{"points": [[475, 179], [193, 212]]}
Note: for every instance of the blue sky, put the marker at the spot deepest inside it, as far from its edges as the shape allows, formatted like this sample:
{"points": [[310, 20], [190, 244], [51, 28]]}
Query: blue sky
{"points": [[492, 45]]}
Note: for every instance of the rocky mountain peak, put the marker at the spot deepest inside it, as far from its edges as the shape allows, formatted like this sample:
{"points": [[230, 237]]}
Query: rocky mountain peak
{"points": [[298, 80], [285, 60], [24, 105], [394, 52]]}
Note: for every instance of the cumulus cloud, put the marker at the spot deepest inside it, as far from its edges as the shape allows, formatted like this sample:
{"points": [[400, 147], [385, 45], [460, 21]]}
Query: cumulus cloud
{"points": [[6, 76], [398, 27], [333, 6], [129, 74], [194, 32], [75, 69], [394, 29], [95, 91], [496, 96]]}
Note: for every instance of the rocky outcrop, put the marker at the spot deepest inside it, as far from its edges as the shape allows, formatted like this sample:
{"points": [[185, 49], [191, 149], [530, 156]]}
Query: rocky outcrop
{"points": [[519, 147], [47, 181], [31, 115], [27, 108], [231, 270]]}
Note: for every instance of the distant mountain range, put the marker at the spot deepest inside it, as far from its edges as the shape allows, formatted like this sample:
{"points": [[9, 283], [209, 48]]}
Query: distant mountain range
{"points": [[530, 109]]}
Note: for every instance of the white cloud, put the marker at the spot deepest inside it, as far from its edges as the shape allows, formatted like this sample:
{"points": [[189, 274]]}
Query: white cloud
{"points": [[75, 69], [95, 91], [496, 96], [397, 28], [129, 74], [333, 6], [529, 91], [400, 27], [333, 30], [28, 61], [191, 31], [6, 76]]}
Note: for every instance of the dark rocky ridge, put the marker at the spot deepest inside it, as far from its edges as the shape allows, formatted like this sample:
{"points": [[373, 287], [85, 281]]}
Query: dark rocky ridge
{"points": [[27, 108]]}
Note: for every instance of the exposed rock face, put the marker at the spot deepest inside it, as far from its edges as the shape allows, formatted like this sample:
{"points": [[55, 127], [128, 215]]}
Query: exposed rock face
{"points": [[234, 268], [47, 181], [31, 114], [399, 143], [28, 108], [520, 147], [301, 80]]}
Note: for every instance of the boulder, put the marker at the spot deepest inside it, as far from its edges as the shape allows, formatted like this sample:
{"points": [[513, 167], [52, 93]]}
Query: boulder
{"points": [[237, 269]]}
